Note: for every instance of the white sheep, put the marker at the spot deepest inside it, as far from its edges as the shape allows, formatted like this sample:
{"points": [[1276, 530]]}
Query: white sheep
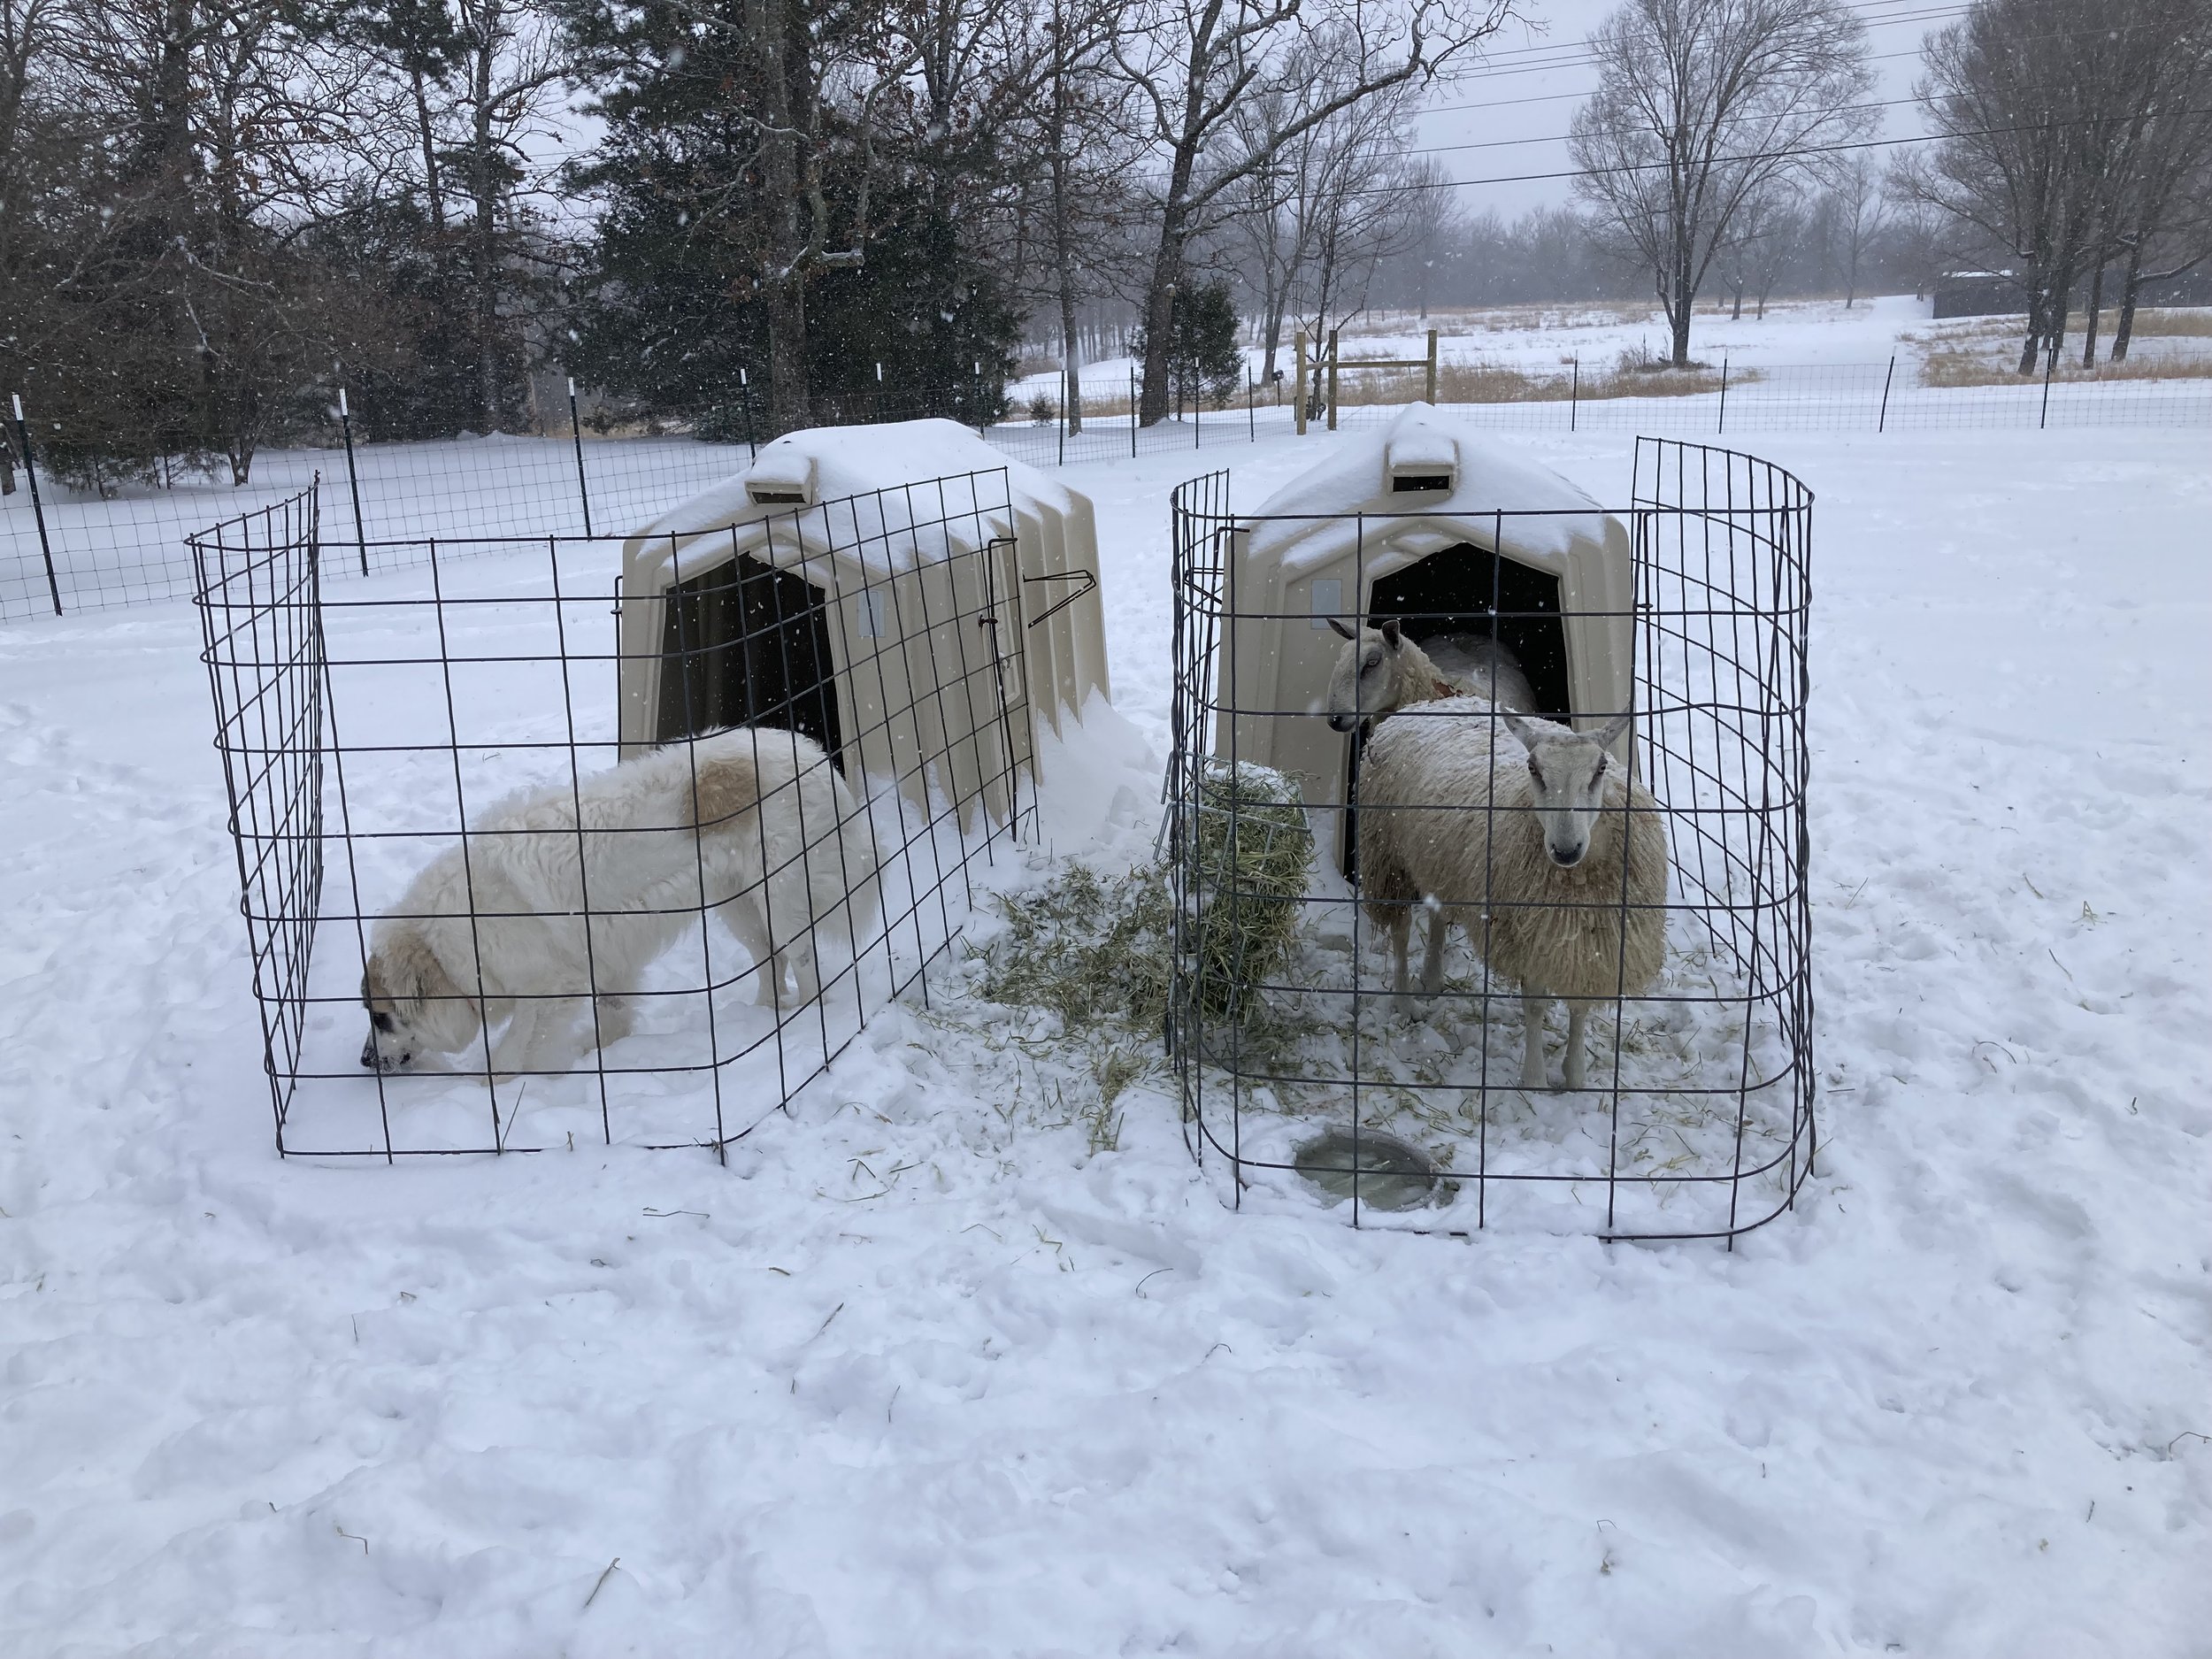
{"points": [[1381, 671], [1521, 844]]}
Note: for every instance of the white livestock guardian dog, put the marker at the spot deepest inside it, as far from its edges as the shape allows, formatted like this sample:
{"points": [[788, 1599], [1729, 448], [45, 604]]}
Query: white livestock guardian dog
{"points": [[530, 916]]}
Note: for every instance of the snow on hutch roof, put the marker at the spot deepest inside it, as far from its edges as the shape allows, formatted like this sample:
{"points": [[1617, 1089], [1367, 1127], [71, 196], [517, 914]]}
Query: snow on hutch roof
{"points": [[864, 491], [1440, 482]]}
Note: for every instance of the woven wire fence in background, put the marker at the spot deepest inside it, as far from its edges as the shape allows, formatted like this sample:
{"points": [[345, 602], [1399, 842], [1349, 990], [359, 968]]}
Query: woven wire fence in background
{"points": [[1696, 1117], [467, 699], [113, 540], [1723, 398], [70, 549]]}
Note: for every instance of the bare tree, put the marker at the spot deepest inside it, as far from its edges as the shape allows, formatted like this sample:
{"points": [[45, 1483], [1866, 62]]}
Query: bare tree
{"points": [[1701, 105], [2059, 119], [1193, 63], [2162, 227], [1766, 230], [1356, 203], [1332, 203], [1082, 155], [1054, 134], [1856, 213]]}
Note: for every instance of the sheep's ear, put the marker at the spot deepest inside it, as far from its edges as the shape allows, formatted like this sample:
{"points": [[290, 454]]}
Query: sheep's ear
{"points": [[1390, 632], [1342, 631], [1520, 727], [1611, 732]]}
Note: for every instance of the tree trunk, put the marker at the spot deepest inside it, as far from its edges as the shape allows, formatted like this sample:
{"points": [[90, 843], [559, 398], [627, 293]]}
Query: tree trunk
{"points": [[783, 293], [1736, 316], [2089, 327], [2125, 329], [432, 192], [789, 399], [1159, 319], [1071, 345], [1063, 249], [2034, 341], [1679, 320], [484, 244]]}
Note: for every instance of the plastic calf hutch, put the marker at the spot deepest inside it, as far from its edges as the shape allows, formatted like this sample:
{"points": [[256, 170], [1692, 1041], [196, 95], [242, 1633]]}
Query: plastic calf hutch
{"points": [[1687, 608], [1448, 532], [848, 582]]}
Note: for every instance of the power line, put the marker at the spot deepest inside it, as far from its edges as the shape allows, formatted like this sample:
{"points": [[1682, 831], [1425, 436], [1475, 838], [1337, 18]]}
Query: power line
{"points": [[1564, 97], [1561, 138], [1578, 56], [1722, 161]]}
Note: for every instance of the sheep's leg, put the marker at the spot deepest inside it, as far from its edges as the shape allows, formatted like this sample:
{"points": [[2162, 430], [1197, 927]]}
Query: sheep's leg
{"points": [[1400, 922], [1578, 1017], [1534, 1005], [1432, 957]]}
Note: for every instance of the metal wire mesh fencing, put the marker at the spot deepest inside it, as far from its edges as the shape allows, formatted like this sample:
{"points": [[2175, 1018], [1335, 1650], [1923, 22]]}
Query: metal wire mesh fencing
{"points": [[508, 886], [84, 535], [1900, 395], [85, 539], [1645, 866]]}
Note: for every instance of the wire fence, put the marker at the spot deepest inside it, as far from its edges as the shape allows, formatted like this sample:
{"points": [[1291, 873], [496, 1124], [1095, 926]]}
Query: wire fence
{"points": [[88, 542], [565, 890], [1647, 867], [1893, 395]]}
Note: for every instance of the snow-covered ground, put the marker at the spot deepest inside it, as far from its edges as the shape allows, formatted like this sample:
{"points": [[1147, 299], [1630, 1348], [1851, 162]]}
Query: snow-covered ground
{"points": [[922, 1373]]}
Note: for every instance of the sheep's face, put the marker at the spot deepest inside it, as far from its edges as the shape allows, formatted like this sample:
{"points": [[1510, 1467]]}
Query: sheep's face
{"points": [[1566, 774], [414, 1006], [1364, 686]]}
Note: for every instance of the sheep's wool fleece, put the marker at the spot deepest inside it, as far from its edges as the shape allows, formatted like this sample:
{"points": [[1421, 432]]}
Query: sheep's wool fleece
{"points": [[1559, 930]]}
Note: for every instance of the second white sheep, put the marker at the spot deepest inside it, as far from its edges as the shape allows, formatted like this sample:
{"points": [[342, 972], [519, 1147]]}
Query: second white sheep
{"points": [[1549, 856]]}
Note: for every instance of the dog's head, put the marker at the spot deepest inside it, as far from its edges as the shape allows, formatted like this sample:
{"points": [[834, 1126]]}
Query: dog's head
{"points": [[415, 1006]]}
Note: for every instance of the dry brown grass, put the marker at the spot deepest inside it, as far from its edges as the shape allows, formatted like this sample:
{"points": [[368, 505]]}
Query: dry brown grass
{"points": [[2193, 321], [1480, 382], [1966, 368]]}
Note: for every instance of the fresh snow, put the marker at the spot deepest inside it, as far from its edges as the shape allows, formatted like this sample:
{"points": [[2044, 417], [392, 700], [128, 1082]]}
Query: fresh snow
{"points": [[919, 1373], [1315, 513]]}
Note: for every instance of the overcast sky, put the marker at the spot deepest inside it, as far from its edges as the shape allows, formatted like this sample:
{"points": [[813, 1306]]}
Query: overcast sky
{"points": [[1518, 102]]}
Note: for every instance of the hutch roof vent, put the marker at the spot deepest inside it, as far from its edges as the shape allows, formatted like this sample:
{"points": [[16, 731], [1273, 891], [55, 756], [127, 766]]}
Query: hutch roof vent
{"points": [[785, 480], [1420, 460]]}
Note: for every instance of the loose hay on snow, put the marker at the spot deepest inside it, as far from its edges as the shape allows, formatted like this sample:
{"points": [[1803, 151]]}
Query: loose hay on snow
{"points": [[1097, 949]]}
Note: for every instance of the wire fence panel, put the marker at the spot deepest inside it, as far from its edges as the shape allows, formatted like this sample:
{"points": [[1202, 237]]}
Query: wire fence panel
{"points": [[485, 916], [1677, 932], [91, 538], [126, 546], [1891, 397]]}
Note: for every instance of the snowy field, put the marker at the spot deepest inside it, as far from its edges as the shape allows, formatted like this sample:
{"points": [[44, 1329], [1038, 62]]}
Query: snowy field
{"points": [[922, 1372], [1794, 333]]}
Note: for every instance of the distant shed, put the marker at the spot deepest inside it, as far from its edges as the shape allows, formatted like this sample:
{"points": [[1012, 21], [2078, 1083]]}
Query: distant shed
{"points": [[878, 588]]}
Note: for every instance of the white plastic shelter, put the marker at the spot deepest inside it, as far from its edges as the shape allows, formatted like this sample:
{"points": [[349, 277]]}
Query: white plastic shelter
{"points": [[878, 588], [1446, 529]]}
